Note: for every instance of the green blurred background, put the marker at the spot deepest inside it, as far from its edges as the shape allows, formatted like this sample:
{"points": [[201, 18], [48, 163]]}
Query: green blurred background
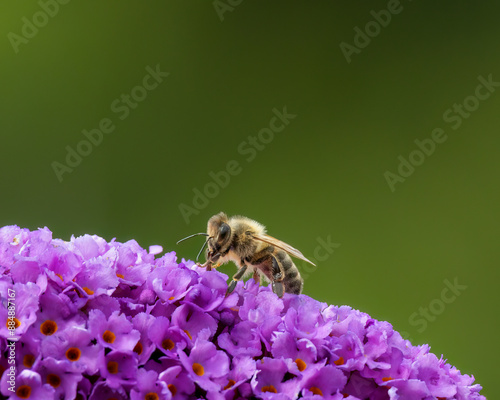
{"points": [[322, 176]]}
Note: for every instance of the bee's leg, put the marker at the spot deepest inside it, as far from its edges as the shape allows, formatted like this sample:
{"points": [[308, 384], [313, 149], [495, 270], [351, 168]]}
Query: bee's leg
{"points": [[277, 276], [236, 277], [269, 265], [255, 276], [207, 265]]}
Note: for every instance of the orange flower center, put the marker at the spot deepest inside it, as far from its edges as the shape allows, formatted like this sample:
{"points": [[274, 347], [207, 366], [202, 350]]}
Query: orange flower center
{"points": [[48, 328], [316, 390], [108, 336], [269, 388], [340, 361], [112, 367], [73, 354], [23, 392], [301, 365], [138, 348], [53, 380], [90, 292], [28, 360], [172, 389], [167, 344], [198, 369], [13, 323], [230, 384], [151, 396]]}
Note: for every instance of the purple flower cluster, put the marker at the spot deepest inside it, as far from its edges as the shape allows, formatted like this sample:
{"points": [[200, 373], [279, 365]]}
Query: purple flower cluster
{"points": [[97, 320]]}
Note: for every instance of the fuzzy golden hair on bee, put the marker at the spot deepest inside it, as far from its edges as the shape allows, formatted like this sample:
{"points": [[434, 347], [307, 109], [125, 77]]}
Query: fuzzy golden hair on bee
{"points": [[245, 242]]}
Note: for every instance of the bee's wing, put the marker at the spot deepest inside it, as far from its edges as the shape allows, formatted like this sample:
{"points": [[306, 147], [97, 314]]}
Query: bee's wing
{"points": [[283, 246]]}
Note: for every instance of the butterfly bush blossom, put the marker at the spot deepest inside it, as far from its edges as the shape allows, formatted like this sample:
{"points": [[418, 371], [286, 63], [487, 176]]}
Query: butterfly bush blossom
{"points": [[105, 320]]}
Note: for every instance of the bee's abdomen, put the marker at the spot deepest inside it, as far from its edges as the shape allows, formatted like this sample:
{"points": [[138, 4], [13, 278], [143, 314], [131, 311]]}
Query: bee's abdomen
{"points": [[292, 280]]}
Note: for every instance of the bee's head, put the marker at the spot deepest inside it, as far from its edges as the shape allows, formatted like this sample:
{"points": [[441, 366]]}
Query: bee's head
{"points": [[219, 233]]}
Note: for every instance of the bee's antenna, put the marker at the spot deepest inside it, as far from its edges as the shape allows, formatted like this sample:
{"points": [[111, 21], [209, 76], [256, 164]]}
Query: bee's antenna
{"points": [[190, 236], [202, 248]]}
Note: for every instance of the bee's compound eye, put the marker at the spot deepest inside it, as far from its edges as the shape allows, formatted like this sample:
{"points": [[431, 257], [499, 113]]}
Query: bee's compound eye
{"points": [[224, 231]]}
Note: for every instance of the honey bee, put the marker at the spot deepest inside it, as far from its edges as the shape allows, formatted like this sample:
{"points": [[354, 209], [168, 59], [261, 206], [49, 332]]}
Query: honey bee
{"points": [[245, 242]]}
